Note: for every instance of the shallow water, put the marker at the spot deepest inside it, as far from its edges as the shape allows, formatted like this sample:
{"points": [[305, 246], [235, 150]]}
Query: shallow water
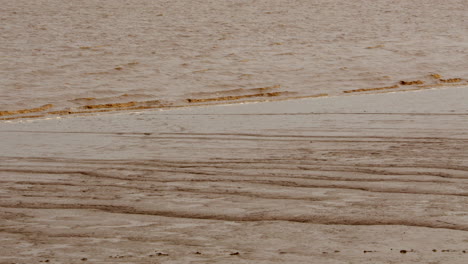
{"points": [[72, 54]]}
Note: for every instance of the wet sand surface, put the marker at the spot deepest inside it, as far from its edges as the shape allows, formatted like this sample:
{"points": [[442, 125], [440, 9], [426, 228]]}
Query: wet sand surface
{"points": [[75, 54], [377, 178]]}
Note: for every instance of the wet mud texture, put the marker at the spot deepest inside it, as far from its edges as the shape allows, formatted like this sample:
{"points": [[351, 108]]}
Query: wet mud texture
{"points": [[341, 180]]}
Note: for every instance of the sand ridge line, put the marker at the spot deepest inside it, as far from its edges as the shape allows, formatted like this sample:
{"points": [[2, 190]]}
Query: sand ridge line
{"points": [[234, 97], [372, 89], [25, 111], [23, 117], [156, 104], [122, 96], [418, 83], [239, 90], [131, 106], [95, 106], [123, 104], [110, 105], [452, 80], [441, 85], [411, 82], [270, 94], [427, 87], [103, 108]]}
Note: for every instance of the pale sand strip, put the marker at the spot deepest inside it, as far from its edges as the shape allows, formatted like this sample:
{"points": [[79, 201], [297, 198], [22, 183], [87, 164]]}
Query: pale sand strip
{"points": [[351, 179]]}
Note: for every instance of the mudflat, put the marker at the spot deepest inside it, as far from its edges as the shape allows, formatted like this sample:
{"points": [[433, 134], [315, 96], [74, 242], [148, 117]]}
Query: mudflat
{"points": [[376, 178]]}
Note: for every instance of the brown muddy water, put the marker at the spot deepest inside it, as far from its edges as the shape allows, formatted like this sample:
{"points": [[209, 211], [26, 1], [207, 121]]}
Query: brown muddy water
{"points": [[62, 57]]}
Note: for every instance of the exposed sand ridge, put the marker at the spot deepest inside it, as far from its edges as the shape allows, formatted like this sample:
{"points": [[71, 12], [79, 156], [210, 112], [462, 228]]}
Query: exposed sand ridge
{"points": [[235, 95]]}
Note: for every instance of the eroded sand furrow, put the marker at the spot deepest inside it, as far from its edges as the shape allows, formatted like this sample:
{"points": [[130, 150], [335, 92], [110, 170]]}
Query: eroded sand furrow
{"points": [[155, 174], [313, 219], [329, 186], [151, 191], [367, 137], [274, 138], [276, 163], [433, 169], [267, 181], [350, 174], [133, 184]]}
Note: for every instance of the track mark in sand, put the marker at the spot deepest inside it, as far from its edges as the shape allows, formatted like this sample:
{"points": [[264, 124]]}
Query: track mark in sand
{"points": [[311, 219]]}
